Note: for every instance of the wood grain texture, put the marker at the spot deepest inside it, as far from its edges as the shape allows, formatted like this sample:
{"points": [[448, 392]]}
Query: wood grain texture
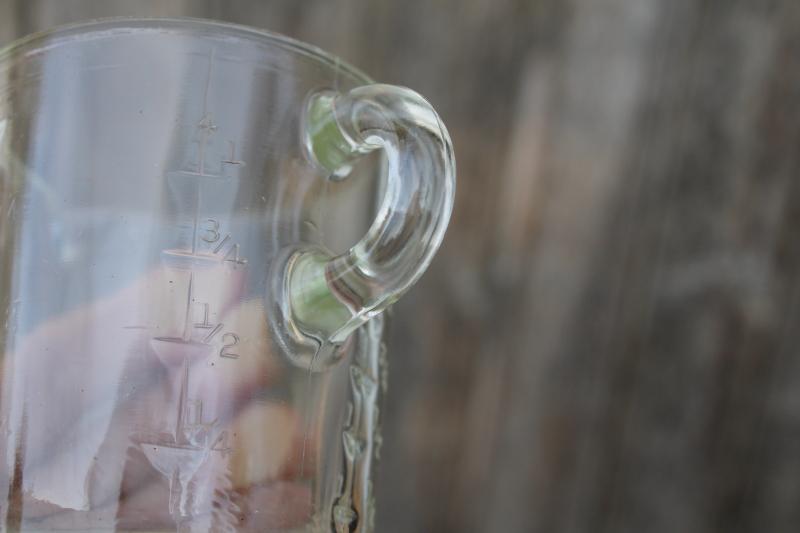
{"points": [[607, 340]]}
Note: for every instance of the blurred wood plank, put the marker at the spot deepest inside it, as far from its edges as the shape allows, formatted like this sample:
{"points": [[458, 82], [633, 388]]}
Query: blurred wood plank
{"points": [[8, 22]]}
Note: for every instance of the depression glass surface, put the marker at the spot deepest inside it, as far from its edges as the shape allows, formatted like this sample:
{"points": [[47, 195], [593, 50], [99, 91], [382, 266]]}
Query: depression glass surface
{"points": [[150, 173]]}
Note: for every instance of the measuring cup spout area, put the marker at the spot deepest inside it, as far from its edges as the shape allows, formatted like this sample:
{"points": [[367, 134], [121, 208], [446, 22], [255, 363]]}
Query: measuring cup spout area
{"points": [[328, 297]]}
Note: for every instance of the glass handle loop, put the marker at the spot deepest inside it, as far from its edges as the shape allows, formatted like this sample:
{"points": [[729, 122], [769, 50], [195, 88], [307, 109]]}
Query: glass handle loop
{"points": [[328, 296]]}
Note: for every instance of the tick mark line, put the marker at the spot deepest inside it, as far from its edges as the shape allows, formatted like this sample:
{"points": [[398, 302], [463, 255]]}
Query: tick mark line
{"points": [[232, 158]]}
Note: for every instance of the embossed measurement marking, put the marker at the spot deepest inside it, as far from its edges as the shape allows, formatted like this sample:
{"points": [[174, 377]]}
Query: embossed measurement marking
{"points": [[232, 256], [233, 340], [213, 333], [220, 444], [231, 160], [229, 339], [212, 234], [221, 244], [178, 456], [205, 323]]}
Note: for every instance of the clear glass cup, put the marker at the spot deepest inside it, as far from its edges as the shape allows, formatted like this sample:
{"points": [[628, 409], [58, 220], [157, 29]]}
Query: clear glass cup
{"points": [[200, 225]]}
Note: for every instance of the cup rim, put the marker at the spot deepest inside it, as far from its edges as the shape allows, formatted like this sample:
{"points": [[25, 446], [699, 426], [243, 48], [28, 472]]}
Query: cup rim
{"points": [[41, 41]]}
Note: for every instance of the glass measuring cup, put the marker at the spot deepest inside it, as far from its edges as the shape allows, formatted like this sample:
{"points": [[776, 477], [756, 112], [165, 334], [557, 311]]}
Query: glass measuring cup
{"points": [[192, 270]]}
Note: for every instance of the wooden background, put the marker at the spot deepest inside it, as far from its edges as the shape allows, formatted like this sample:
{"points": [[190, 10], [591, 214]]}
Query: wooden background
{"points": [[607, 341]]}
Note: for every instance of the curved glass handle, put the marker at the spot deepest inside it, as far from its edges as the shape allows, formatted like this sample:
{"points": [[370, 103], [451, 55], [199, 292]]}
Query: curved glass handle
{"points": [[331, 296]]}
